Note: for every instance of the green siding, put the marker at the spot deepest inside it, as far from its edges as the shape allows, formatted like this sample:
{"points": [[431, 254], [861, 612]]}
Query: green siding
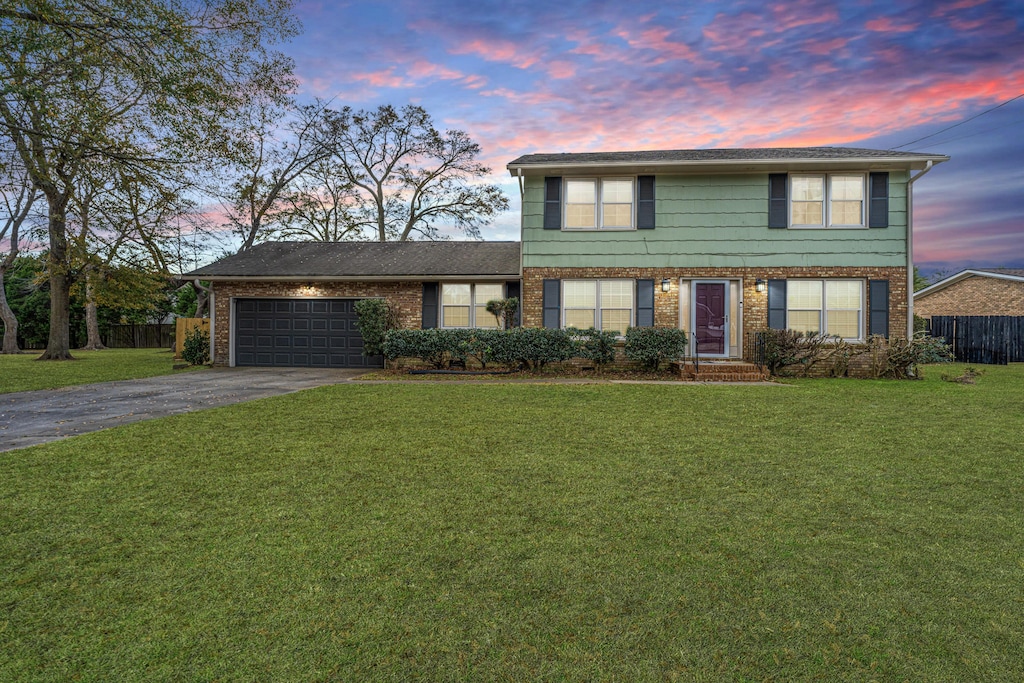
{"points": [[715, 220]]}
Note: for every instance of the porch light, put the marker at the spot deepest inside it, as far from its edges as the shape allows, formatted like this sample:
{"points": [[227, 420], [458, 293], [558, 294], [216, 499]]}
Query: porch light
{"points": [[665, 284], [760, 285]]}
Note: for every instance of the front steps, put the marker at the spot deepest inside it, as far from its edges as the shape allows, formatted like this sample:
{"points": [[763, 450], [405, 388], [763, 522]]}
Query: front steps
{"points": [[720, 371]]}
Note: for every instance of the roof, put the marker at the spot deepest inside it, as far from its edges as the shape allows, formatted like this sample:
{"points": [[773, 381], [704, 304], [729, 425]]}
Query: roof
{"points": [[1013, 274], [755, 157], [366, 260]]}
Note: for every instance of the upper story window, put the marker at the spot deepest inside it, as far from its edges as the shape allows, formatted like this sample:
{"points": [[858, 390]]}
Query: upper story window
{"points": [[599, 203], [464, 304], [833, 200]]}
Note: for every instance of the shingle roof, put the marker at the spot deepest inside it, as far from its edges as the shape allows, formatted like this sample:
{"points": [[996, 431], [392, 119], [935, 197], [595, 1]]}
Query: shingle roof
{"points": [[711, 155], [1018, 272], [368, 259]]}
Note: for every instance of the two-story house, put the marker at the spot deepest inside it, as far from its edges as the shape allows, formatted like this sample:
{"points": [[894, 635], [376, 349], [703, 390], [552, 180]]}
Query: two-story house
{"points": [[720, 243]]}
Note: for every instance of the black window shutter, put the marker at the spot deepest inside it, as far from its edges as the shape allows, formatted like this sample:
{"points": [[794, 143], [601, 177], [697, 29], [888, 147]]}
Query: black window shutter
{"points": [[878, 296], [552, 203], [430, 296], [777, 304], [552, 303], [777, 210], [645, 202], [878, 209], [512, 289], [645, 303]]}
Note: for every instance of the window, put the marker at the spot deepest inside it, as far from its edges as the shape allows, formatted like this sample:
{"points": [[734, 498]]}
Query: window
{"points": [[835, 201], [604, 304], [595, 203], [465, 304], [832, 307]]}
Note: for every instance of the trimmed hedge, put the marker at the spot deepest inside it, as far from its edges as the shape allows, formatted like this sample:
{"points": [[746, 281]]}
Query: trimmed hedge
{"points": [[520, 347], [649, 346]]}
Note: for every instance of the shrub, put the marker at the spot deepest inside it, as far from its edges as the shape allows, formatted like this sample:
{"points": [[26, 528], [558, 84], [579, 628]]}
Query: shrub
{"points": [[787, 352], [531, 347], [430, 346], [504, 310], [649, 346], [902, 356], [376, 317], [195, 350], [594, 345]]}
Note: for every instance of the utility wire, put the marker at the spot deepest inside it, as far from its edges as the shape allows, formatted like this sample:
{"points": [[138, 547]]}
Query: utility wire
{"points": [[980, 132], [907, 144]]}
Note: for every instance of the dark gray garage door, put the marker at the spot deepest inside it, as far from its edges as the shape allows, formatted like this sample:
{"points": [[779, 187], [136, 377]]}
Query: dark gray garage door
{"points": [[315, 333]]}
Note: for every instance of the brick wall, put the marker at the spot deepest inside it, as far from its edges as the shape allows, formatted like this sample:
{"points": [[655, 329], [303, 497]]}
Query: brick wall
{"points": [[755, 304], [974, 296], [407, 297]]}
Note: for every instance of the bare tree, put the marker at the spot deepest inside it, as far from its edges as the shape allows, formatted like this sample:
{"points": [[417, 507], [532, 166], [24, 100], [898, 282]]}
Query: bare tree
{"points": [[272, 158], [18, 196], [321, 206], [409, 177]]}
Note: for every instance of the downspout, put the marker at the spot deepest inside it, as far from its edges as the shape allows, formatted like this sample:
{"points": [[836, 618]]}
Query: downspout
{"points": [[522, 199], [910, 248]]}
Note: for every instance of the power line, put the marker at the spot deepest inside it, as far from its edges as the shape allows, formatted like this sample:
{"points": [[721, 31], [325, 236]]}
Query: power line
{"points": [[907, 144], [980, 132]]}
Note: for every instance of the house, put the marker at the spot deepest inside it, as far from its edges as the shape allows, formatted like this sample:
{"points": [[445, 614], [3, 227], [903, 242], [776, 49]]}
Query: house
{"points": [[292, 303], [720, 242], [994, 291]]}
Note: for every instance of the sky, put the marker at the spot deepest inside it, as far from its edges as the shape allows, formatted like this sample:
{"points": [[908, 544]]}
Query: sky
{"points": [[572, 76]]}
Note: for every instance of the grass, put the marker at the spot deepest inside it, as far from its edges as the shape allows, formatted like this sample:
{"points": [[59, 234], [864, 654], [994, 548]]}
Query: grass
{"points": [[828, 530], [23, 373]]}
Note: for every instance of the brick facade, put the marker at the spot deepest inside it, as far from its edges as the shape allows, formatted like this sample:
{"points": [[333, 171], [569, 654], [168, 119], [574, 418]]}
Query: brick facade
{"points": [[975, 295], [406, 297], [755, 304]]}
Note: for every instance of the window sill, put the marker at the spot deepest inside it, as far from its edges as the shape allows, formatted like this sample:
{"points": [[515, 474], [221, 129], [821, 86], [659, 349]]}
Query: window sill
{"points": [[598, 229], [829, 227]]}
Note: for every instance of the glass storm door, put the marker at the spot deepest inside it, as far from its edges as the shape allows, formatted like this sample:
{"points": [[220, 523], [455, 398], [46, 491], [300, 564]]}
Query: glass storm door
{"points": [[711, 322]]}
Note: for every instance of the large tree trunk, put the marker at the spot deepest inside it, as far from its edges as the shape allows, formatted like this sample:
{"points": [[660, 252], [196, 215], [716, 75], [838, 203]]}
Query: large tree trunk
{"points": [[92, 323], [58, 346], [10, 320], [202, 298]]}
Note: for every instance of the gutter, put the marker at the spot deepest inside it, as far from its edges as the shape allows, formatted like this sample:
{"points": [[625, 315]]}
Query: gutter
{"points": [[910, 247], [780, 162]]}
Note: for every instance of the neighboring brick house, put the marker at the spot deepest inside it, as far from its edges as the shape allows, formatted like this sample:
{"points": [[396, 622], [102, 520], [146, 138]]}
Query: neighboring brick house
{"points": [[292, 303], [994, 291], [720, 242]]}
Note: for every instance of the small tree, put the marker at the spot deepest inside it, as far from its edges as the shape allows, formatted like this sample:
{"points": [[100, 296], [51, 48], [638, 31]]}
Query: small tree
{"points": [[504, 311], [376, 317]]}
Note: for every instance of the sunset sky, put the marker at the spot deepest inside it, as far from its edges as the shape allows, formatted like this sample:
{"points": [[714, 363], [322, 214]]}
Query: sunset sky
{"points": [[571, 76]]}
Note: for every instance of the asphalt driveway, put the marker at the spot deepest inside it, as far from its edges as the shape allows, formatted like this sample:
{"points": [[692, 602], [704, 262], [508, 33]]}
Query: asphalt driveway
{"points": [[34, 417]]}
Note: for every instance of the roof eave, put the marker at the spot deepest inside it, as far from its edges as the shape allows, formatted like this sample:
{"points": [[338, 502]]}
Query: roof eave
{"points": [[915, 163], [348, 278], [963, 275]]}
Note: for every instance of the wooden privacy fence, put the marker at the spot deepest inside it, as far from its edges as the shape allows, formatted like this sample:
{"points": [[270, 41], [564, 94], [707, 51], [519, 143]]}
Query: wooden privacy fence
{"points": [[986, 339], [152, 336], [183, 326]]}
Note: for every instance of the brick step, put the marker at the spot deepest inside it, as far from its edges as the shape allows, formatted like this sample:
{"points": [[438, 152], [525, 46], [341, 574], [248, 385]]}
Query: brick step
{"points": [[720, 372]]}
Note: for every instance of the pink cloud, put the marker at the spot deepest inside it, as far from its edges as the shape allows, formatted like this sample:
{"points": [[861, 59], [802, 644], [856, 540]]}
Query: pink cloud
{"points": [[496, 50], [890, 25], [825, 47]]}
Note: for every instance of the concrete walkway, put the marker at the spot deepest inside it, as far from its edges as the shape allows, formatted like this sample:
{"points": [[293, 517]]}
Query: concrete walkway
{"points": [[33, 417]]}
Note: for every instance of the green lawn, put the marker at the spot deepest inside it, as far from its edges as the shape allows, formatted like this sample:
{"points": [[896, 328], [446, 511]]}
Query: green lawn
{"points": [[827, 530], [23, 373]]}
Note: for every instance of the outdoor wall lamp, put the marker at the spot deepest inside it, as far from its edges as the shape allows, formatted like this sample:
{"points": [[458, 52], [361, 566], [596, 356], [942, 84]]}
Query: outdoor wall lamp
{"points": [[760, 285], [665, 284]]}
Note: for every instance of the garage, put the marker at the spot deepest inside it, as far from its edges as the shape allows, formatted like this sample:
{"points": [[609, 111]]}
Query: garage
{"points": [[311, 333]]}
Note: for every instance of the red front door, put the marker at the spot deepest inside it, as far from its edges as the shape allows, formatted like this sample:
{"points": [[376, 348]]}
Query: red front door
{"points": [[710, 318]]}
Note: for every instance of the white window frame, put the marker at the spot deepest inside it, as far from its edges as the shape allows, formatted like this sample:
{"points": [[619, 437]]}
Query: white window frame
{"points": [[599, 202], [826, 212], [472, 305], [597, 301], [823, 312]]}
